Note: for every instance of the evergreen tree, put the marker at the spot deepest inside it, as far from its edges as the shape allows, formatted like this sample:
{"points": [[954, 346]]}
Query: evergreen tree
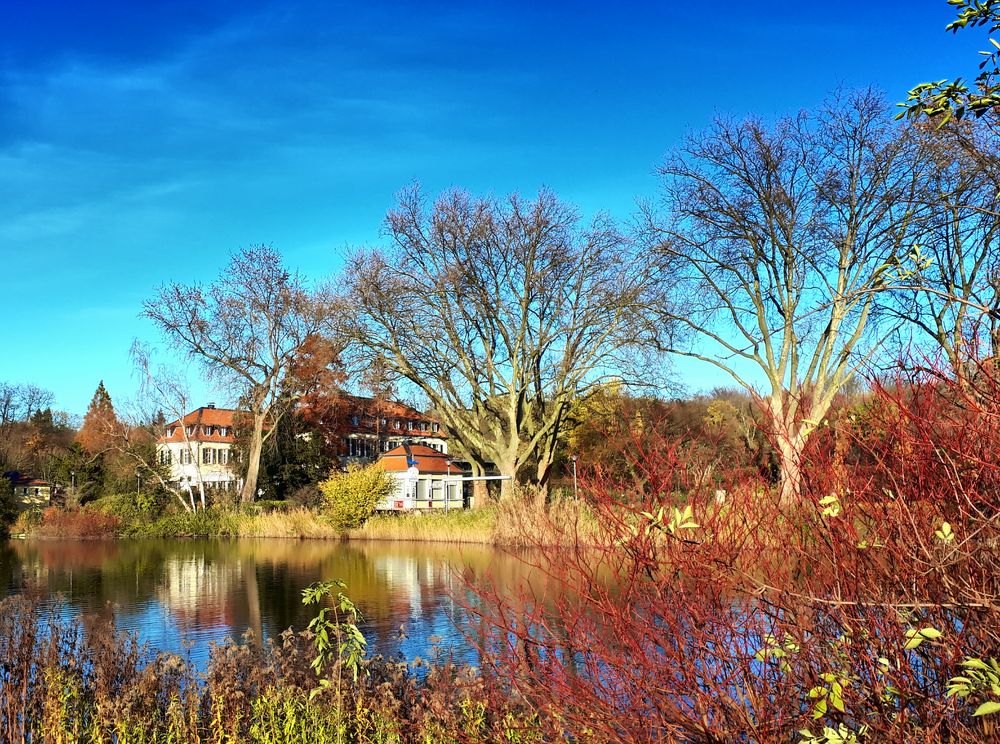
{"points": [[98, 422]]}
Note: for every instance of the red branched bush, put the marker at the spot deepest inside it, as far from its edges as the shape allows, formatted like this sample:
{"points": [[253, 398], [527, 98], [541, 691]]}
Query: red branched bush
{"points": [[720, 614], [58, 522]]}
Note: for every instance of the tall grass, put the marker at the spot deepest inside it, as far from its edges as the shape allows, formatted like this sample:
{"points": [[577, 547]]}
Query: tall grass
{"points": [[460, 526], [299, 522], [73, 682], [518, 522]]}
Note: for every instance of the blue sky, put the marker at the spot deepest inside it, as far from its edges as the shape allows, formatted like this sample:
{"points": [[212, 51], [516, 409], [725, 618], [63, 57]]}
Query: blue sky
{"points": [[143, 142]]}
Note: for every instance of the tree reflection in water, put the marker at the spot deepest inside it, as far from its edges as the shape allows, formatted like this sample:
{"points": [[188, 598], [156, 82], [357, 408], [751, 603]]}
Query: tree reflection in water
{"points": [[194, 592]]}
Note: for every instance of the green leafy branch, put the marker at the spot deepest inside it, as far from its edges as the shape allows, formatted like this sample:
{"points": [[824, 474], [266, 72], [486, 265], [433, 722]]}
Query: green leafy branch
{"points": [[945, 100], [336, 636], [979, 678]]}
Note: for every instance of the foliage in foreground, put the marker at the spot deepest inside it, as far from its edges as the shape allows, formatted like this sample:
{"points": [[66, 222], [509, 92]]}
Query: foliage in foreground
{"points": [[867, 612], [68, 682]]}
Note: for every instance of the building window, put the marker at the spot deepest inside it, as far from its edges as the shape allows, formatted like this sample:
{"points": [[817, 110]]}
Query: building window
{"points": [[164, 457], [223, 457], [224, 431], [185, 457], [435, 427]]}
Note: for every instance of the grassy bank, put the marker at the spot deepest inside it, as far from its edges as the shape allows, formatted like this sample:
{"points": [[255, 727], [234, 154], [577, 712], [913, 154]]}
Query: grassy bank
{"points": [[501, 524]]}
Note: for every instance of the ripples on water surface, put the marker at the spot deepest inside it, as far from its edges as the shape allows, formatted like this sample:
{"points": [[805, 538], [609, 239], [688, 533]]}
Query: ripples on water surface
{"points": [[181, 595]]}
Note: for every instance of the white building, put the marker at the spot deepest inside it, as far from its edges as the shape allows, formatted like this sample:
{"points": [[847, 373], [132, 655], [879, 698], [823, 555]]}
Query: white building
{"points": [[201, 448], [425, 479]]}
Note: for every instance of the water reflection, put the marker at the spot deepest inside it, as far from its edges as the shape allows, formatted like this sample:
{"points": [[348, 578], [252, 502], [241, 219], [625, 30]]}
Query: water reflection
{"points": [[181, 595]]}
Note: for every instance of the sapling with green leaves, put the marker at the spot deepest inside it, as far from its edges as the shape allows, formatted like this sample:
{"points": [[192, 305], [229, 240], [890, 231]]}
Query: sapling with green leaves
{"points": [[336, 637]]}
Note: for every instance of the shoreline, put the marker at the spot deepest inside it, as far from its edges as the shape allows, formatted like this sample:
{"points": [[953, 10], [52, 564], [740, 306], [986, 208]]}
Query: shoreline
{"points": [[500, 526]]}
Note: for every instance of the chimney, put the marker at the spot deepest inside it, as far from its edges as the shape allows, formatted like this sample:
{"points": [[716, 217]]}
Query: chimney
{"points": [[210, 405]]}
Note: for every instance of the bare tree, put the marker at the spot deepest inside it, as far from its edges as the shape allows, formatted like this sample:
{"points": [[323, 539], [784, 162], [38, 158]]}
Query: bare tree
{"points": [[245, 330], [500, 313], [953, 298], [19, 402], [161, 390], [775, 241]]}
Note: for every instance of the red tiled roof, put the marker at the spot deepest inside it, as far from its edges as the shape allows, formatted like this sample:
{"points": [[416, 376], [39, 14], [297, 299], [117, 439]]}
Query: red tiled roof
{"points": [[368, 409], [215, 418], [428, 461], [26, 480]]}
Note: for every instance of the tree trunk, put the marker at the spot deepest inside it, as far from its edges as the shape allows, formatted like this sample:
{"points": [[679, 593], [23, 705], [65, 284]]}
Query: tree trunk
{"points": [[249, 492], [480, 492], [790, 445], [506, 486], [543, 474], [507, 467]]}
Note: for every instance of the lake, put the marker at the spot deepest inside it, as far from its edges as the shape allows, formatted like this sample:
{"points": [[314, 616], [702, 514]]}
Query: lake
{"points": [[181, 595]]}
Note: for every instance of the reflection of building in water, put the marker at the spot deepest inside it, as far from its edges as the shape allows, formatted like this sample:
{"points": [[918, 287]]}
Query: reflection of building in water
{"points": [[418, 588], [197, 592]]}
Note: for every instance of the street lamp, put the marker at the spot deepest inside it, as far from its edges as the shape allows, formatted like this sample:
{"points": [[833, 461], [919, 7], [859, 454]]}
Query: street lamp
{"points": [[72, 487], [575, 492], [137, 481]]}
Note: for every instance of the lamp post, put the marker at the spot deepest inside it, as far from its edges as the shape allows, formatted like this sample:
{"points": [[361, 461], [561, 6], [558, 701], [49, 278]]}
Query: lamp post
{"points": [[575, 492], [72, 487], [137, 481]]}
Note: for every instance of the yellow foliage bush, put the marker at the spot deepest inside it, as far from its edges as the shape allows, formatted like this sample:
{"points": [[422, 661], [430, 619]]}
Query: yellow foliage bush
{"points": [[352, 496]]}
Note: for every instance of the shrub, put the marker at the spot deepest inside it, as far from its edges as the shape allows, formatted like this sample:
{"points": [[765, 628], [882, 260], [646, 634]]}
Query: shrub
{"points": [[132, 509], [351, 497], [307, 497], [26, 522], [844, 617], [208, 523], [84, 522]]}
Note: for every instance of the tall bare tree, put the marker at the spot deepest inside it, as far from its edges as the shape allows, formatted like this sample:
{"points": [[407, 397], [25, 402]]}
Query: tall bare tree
{"points": [[245, 330], [775, 241], [501, 313], [954, 297]]}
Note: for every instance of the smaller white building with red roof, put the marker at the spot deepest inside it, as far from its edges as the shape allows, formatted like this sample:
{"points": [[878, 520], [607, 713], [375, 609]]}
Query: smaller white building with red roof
{"points": [[425, 479]]}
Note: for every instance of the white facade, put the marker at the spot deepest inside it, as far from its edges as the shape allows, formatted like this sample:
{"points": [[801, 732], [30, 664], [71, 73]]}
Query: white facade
{"points": [[200, 450]]}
